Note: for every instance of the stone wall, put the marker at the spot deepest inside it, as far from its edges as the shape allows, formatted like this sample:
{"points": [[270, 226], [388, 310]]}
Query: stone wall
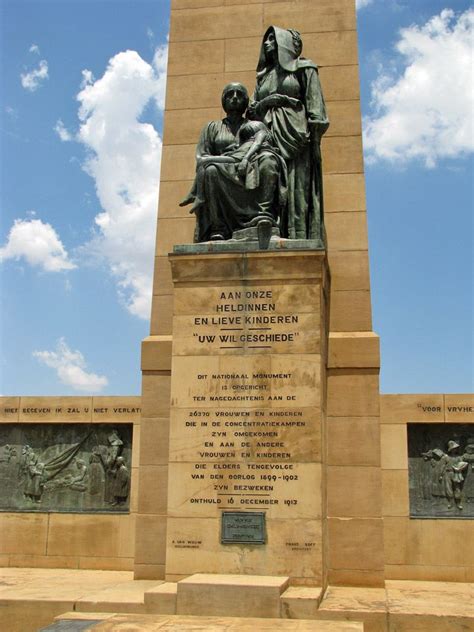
{"points": [[418, 549], [71, 540], [421, 549]]}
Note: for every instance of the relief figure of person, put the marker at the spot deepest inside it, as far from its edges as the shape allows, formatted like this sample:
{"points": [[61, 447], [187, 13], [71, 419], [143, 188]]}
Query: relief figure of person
{"points": [[453, 467], [289, 100], [120, 487], [468, 457], [26, 453], [79, 481], [434, 484], [96, 475], [239, 173], [108, 457], [9, 452], [34, 478]]}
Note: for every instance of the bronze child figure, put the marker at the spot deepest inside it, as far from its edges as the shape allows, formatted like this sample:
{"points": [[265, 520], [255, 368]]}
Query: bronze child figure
{"points": [[239, 176]]}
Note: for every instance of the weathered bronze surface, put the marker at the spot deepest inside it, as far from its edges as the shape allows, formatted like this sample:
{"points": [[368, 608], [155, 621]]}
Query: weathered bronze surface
{"points": [[441, 470], [240, 176], [289, 100], [65, 467], [264, 169], [243, 527]]}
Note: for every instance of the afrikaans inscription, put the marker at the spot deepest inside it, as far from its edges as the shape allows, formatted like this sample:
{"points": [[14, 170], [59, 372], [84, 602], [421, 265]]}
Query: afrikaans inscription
{"points": [[65, 467], [441, 470], [245, 433], [245, 444], [252, 323], [248, 321]]}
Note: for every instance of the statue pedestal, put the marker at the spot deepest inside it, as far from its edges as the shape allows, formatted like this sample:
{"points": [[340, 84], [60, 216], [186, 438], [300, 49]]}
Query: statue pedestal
{"points": [[246, 471]]}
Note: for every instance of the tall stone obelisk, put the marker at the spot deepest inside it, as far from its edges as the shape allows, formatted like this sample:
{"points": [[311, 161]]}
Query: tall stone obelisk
{"points": [[213, 42]]}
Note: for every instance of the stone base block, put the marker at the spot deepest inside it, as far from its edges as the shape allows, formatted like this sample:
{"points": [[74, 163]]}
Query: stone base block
{"points": [[300, 602], [231, 595], [25, 615], [435, 606], [178, 623], [149, 571], [161, 599], [403, 606], [368, 605], [124, 597], [30, 598], [240, 245]]}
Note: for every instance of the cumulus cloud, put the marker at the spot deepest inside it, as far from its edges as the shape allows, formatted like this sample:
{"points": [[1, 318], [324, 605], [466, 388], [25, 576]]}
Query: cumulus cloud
{"points": [[425, 112], [34, 48], [64, 134], [11, 111], [124, 156], [360, 4], [37, 243], [70, 367], [35, 78], [87, 78], [160, 62]]}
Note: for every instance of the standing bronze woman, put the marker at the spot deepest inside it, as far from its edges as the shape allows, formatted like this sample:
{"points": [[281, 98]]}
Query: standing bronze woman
{"points": [[289, 100]]}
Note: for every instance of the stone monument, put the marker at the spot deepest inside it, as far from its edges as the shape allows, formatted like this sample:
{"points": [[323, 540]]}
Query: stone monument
{"points": [[261, 329], [261, 473]]}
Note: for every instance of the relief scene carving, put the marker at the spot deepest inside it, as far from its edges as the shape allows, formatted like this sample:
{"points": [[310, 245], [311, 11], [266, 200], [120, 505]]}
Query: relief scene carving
{"points": [[441, 470], [65, 467]]}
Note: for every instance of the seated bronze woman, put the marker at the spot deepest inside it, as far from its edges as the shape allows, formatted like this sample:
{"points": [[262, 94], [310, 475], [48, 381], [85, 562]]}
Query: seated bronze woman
{"points": [[239, 174]]}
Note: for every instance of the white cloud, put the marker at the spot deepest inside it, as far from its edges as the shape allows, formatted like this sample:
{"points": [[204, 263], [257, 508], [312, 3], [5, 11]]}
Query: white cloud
{"points": [[160, 63], [33, 80], [360, 4], [71, 367], [37, 243], [87, 78], [64, 134], [34, 48], [11, 111], [124, 160], [426, 112]]}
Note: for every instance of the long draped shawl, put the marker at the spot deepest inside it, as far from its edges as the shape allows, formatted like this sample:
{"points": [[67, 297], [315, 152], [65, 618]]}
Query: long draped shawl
{"points": [[289, 136]]}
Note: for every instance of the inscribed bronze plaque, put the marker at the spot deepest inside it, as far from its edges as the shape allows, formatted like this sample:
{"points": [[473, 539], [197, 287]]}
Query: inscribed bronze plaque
{"points": [[243, 527], [441, 470], [47, 467]]}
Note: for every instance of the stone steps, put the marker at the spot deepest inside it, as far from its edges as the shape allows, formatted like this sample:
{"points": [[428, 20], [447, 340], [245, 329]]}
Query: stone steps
{"points": [[32, 598], [125, 597], [186, 623]]}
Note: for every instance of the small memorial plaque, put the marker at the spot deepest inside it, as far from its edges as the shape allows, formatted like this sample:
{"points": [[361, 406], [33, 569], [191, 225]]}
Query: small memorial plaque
{"points": [[243, 527]]}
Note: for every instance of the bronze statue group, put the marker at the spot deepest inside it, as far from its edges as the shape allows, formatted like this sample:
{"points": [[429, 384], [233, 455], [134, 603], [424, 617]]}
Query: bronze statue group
{"points": [[263, 160]]}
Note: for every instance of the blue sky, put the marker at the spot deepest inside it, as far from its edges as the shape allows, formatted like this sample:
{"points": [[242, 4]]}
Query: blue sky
{"points": [[81, 117]]}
